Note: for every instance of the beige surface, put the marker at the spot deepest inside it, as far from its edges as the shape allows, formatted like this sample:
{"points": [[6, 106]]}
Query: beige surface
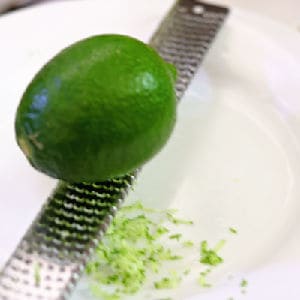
{"points": [[287, 11]]}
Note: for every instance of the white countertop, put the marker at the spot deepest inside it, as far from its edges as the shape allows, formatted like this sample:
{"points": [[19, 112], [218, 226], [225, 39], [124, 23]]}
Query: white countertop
{"points": [[287, 11]]}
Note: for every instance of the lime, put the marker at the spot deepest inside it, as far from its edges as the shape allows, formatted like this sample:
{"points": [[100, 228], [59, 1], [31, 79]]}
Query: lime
{"points": [[100, 108]]}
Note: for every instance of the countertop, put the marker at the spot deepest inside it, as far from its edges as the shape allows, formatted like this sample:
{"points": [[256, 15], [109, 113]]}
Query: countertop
{"points": [[287, 11]]}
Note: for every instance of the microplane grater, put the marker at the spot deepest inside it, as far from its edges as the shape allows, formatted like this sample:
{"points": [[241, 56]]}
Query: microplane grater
{"points": [[72, 222]]}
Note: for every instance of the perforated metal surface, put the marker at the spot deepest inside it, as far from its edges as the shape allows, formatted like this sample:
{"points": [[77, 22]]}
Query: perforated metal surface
{"points": [[52, 255], [50, 258], [185, 36]]}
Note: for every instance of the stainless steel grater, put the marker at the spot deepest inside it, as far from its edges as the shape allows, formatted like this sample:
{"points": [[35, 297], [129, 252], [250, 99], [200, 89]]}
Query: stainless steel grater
{"points": [[52, 255]]}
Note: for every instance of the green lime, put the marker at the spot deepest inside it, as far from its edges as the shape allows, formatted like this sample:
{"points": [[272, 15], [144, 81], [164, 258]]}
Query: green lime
{"points": [[100, 108]]}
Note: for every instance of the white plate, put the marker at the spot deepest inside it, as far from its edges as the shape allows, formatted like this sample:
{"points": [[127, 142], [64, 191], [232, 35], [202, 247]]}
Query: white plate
{"points": [[233, 159]]}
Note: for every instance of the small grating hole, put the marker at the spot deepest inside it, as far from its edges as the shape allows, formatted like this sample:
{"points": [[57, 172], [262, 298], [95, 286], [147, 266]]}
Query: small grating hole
{"points": [[182, 9], [28, 261]]}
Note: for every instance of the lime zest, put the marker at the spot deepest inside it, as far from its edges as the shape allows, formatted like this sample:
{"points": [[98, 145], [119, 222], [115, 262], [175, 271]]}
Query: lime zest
{"points": [[98, 292], [161, 230], [188, 244], [178, 221], [210, 256], [168, 282], [220, 245], [131, 248], [233, 230], [202, 280], [176, 236], [244, 283], [37, 274], [186, 271]]}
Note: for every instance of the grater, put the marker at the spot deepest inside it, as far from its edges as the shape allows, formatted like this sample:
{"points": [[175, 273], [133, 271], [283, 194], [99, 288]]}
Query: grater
{"points": [[52, 255]]}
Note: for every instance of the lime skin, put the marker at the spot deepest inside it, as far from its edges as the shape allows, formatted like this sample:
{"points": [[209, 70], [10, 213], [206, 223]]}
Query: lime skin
{"points": [[100, 108]]}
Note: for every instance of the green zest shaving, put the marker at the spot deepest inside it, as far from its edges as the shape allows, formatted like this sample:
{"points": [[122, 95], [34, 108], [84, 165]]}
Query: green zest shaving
{"points": [[133, 247], [175, 236], [174, 220], [233, 230], [187, 271], [188, 244], [244, 283], [37, 274], [210, 256], [168, 282], [99, 292], [202, 280]]}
